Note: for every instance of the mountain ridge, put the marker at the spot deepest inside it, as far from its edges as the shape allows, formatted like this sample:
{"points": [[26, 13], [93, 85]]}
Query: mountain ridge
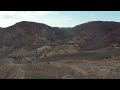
{"points": [[90, 35], [30, 50]]}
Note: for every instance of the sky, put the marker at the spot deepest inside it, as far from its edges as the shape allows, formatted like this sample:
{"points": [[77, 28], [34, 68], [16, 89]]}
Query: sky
{"points": [[57, 18]]}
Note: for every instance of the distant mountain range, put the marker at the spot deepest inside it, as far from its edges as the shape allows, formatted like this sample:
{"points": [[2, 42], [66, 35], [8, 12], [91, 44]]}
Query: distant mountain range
{"points": [[88, 36]]}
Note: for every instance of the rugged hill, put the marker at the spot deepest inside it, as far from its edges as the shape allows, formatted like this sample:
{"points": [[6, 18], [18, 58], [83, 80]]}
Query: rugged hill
{"points": [[97, 34], [27, 34], [31, 50], [91, 35]]}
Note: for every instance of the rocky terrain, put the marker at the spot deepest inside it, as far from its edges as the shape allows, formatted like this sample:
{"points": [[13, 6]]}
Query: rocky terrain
{"points": [[30, 50]]}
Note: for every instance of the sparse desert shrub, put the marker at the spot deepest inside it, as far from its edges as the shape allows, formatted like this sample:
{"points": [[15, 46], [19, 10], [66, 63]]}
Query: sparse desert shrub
{"points": [[46, 71], [108, 57], [116, 69], [10, 72], [118, 45]]}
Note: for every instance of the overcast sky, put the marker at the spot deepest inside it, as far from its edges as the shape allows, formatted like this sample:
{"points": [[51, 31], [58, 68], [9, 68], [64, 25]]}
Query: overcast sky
{"points": [[57, 18]]}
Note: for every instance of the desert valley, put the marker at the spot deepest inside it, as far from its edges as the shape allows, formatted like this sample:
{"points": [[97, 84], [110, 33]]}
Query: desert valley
{"points": [[30, 50]]}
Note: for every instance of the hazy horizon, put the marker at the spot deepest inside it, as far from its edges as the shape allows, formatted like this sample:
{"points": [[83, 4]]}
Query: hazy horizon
{"points": [[57, 18]]}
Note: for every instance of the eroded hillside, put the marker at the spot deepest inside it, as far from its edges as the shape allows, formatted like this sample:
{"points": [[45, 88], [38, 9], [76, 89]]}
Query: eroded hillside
{"points": [[35, 50]]}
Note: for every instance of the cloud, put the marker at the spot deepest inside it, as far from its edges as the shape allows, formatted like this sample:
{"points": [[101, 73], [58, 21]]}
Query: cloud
{"points": [[55, 13], [8, 18], [52, 18]]}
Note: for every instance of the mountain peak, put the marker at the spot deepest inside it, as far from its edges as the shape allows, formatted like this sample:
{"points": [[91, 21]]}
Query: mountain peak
{"points": [[92, 34], [29, 23]]}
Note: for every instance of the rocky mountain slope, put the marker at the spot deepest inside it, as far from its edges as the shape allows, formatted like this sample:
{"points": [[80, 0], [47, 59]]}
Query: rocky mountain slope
{"points": [[97, 34], [91, 35], [35, 50], [87, 36]]}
